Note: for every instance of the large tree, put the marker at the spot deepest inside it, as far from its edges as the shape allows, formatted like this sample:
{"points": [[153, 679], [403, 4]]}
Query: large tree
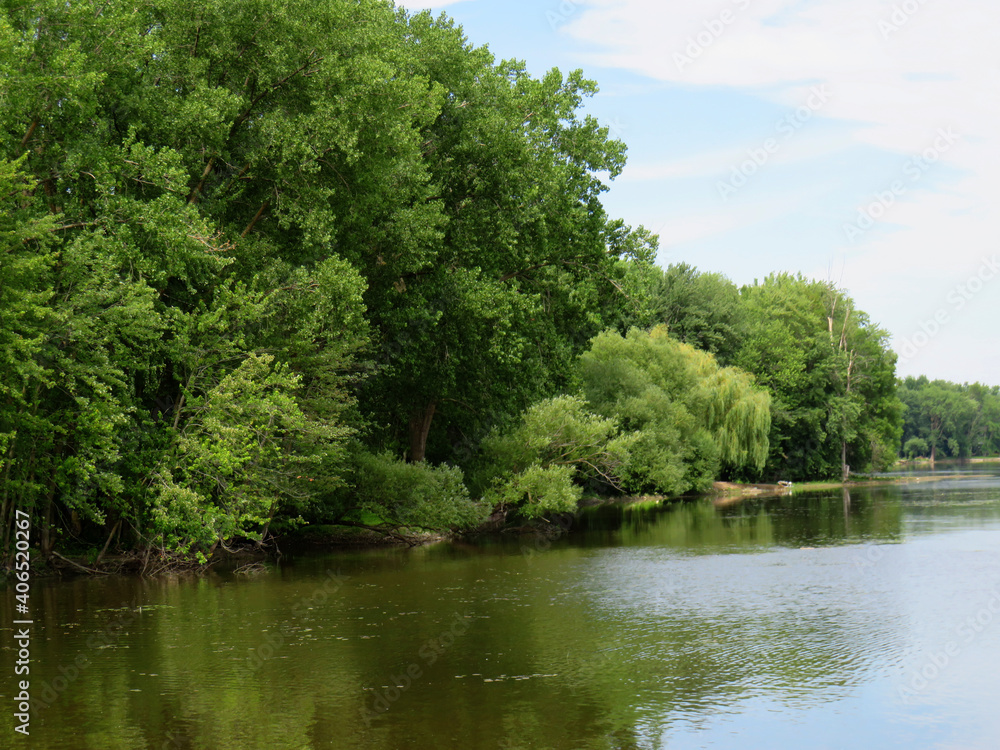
{"points": [[208, 174], [952, 419], [700, 309], [217, 205], [831, 373], [489, 318]]}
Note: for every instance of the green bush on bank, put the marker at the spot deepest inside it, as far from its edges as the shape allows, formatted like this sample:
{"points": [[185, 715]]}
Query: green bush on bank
{"points": [[415, 495]]}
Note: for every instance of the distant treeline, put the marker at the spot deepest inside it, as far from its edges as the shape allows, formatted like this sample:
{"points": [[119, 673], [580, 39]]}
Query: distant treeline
{"points": [[947, 419], [267, 264]]}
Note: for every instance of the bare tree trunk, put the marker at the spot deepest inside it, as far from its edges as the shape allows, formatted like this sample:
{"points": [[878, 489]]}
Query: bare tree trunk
{"points": [[108, 543], [46, 542], [420, 425]]}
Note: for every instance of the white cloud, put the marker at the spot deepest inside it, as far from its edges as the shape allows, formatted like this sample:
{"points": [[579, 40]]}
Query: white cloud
{"points": [[769, 48], [898, 72], [719, 164]]}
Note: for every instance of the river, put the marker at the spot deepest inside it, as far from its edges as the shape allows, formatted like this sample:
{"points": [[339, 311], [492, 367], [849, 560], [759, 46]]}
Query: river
{"points": [[818, 619]]}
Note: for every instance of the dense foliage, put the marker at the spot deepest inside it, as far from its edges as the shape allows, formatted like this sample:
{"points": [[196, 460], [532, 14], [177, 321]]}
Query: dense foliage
{"points": [[832, 375], [240, 238], [689, 417], [265, 264], [828, 368], [946, 419]]}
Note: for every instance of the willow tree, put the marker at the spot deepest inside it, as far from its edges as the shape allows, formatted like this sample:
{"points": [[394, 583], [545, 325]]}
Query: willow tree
{"points": [[737, 414], [691, 418]]}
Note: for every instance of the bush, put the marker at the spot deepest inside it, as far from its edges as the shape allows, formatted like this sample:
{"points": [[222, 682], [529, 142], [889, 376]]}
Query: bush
{"points": [[916, 447], [414, 495], [538, 465]]}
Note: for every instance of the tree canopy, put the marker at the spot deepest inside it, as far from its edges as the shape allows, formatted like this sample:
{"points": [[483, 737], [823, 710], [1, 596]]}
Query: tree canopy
{"points": [[947, 419], [267, 264], [241, 238]]}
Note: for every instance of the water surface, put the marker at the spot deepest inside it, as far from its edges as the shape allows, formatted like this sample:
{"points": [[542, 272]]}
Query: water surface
{"points": [[820, 620]]}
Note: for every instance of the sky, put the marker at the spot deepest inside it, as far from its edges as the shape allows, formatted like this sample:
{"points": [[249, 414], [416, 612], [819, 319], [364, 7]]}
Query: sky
{"points": [[854, 141]]}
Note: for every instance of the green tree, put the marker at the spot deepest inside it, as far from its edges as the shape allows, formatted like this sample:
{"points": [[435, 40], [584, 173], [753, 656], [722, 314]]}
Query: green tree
{"points": [[192, 171], [541, 464], [25, 316], [831, 375], [941, 413], [700, 309], [302, 202], [915, 447], [984, 430], [490, 317], [690, 417]]}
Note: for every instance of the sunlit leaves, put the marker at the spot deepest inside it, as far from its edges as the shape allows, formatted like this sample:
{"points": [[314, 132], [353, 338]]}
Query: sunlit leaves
{"points": [[689, 417], [539, 465], [831, 373]]}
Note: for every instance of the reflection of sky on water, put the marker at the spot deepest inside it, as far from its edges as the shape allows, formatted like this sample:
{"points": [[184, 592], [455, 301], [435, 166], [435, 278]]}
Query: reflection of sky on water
{"points": [[830, 646], [778, 622]]}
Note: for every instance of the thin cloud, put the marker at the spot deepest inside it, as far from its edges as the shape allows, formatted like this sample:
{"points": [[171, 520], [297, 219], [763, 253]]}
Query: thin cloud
{"points": [[900, 78]]}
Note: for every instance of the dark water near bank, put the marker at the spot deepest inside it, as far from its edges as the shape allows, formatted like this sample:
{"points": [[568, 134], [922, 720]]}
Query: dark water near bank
{"points": [[814, 620]]}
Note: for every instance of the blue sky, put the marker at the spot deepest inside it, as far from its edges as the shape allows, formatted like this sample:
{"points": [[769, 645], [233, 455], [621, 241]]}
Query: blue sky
{"points": [[849, 140]]}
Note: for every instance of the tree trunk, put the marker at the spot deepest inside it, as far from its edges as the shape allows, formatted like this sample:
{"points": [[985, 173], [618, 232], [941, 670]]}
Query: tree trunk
{"points": [[107, 544], [845, 470], [46, 542], [933, 452], [420, 425]]}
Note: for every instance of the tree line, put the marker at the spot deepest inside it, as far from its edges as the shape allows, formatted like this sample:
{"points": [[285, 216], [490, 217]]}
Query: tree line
{"points": [[273, 264], [949, 420]]}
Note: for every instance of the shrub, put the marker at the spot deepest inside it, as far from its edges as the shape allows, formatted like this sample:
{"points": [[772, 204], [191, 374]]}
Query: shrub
{"points": [[414, 495]]}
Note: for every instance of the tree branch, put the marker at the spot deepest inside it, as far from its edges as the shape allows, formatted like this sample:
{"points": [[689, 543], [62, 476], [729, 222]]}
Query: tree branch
{"points": [[512, 274], [204, 175], [27, 136], [273, 87], [260, 212], [55, 554]]}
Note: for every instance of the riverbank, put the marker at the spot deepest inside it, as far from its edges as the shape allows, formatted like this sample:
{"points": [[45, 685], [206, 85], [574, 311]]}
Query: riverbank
{"points": [[724, 492], [357, 537], [927, 463]]}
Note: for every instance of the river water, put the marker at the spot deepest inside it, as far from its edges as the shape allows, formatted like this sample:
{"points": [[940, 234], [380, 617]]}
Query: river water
{"points": [[816, 620]]}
